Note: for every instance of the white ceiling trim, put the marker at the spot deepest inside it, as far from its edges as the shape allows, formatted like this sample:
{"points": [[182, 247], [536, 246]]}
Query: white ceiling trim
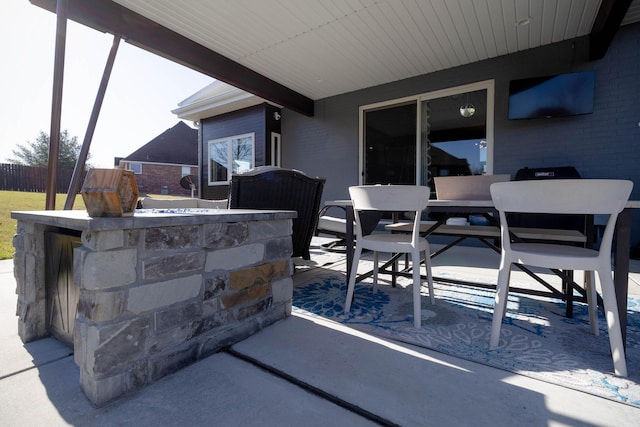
{"points": [[326, 48]]}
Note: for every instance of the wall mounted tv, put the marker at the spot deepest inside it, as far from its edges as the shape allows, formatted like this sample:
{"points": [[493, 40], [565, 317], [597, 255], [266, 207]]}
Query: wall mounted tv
{"points": [[552, 96]]}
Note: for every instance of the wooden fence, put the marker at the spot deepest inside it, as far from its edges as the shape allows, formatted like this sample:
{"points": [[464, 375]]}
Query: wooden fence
{"points": [[31, 179]]}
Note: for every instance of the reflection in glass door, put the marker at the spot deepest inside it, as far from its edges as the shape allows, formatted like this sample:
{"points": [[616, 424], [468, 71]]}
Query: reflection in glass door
{"points": [[454, 134]]}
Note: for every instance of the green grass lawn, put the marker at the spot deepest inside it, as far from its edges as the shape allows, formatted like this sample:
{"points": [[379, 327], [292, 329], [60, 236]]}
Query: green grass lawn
{"points": [[21, 201]]}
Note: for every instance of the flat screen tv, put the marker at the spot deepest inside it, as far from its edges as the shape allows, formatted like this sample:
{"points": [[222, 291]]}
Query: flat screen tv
{"points": [[552, 96]]}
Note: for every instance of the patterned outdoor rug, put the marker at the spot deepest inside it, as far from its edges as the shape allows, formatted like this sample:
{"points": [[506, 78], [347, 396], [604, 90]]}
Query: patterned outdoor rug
{"points": [[537, 340]]}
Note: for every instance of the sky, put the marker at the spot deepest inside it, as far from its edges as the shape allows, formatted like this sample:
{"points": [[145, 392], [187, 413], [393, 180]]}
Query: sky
{"points": [[142, 90]]}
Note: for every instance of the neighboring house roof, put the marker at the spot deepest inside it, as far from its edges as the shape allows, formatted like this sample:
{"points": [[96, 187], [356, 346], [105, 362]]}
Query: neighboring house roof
{"points": [[177, 145], [214, 99]]}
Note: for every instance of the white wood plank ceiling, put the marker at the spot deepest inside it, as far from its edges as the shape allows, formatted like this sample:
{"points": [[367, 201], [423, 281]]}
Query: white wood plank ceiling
{"points": [[322, 48]]}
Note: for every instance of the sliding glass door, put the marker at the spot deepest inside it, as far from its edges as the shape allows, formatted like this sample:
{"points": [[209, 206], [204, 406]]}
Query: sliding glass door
{"points": [[390, 145], [409, 141]]}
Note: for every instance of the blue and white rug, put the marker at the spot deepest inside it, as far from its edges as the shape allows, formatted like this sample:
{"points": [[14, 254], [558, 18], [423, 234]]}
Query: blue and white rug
{"points": [[537, 340]]}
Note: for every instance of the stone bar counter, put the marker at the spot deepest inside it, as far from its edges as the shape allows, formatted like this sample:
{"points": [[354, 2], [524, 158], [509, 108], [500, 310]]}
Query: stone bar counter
{"points": [[156, 291]]}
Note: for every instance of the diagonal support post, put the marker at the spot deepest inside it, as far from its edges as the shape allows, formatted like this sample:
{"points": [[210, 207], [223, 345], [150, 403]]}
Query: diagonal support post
{"points": [[78, 171]]}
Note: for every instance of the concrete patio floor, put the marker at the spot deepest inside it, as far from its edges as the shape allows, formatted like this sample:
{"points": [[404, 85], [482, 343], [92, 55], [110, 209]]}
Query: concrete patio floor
{"points": [[299, 371]]}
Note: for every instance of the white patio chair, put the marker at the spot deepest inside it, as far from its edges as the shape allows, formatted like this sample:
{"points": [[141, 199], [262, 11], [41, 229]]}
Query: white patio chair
{"points": [[392, 198], [564, 196]]}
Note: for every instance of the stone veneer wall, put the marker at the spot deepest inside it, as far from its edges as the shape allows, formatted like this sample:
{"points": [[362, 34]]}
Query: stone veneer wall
{"points": [[153, 300]]}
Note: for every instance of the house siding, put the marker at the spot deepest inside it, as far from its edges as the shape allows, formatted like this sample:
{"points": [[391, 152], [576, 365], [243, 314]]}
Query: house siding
{"points": [[603, 144], [258, 119]]}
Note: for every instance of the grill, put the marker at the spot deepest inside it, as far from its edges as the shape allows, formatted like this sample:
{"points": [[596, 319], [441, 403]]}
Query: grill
{"points": [[561, 172], [567, 222]]}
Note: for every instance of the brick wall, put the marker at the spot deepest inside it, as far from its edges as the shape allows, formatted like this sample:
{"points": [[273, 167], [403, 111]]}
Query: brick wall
{"points": [[162, 179]]}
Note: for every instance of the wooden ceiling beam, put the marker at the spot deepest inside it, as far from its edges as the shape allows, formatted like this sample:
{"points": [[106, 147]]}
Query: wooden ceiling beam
{"points": [[606, 25], [108, 16]]}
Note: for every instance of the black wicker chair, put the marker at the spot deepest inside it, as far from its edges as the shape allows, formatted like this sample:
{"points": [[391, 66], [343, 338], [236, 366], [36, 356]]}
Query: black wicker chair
{"points": [[270, 187]]}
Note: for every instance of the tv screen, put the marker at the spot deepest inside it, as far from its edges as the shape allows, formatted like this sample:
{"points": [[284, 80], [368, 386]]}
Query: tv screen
{"points": [[553, 96]]}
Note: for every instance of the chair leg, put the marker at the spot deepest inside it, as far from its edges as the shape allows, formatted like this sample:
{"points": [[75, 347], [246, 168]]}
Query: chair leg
{"points": [[376, 258], [505, 298], [352, 279], [613, 322], [592, 301], [417, 282], [500, 305], [427, 265]]}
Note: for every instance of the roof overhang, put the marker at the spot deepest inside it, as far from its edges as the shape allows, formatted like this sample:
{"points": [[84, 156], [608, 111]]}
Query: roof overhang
{"points": [[291, 53], [108, 16]]}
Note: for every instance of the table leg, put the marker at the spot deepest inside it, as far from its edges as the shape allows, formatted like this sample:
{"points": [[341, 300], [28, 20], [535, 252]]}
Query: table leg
{"points": [[621, 267]]}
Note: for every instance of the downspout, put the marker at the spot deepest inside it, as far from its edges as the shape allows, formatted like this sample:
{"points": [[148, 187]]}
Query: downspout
{"points": [[56, 103], [78, 171]]}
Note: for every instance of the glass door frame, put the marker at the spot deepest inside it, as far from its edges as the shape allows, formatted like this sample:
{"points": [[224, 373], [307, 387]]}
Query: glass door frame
{"points": [[488, 85]]}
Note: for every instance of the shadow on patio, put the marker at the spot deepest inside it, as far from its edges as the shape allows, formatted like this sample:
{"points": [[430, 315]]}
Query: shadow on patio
{"points": [[302, 370]]}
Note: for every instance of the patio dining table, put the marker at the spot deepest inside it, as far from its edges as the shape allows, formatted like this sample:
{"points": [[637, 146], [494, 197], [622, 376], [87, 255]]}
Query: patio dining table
{"points": [[622, 241]]}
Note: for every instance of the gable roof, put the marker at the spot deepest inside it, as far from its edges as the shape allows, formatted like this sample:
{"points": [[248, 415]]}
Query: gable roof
{"points": [[177, 145], [214, 99]]}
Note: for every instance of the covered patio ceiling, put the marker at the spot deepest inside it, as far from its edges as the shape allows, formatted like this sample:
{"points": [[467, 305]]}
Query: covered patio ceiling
{"points": [[293, 52]]}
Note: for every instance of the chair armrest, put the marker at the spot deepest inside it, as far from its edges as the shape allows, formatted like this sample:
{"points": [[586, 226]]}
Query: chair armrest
{"points": [[332, 225]]}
